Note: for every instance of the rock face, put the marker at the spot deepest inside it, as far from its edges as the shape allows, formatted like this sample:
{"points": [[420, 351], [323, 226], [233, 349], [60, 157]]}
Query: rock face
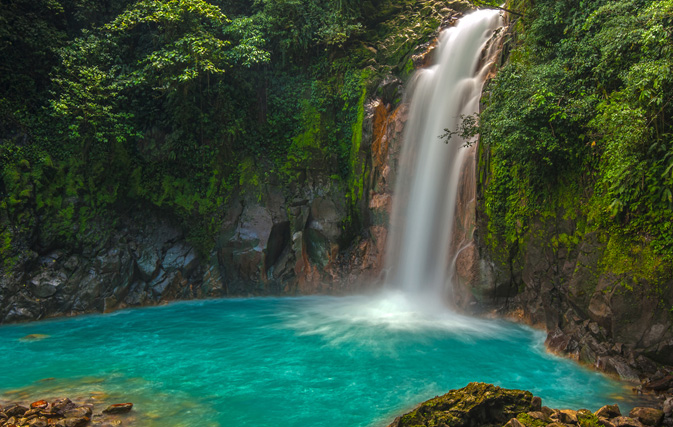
{"points": [[302, 240], [477, 404], [603, 302]]}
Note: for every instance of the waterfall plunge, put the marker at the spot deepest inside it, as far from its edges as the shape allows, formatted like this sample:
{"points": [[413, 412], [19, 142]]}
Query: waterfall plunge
{"points": [[418, 253]]}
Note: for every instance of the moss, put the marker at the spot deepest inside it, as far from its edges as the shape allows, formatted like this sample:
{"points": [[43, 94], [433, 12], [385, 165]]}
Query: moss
{"points": [[357, 168], [632, 257], [529, 421]]}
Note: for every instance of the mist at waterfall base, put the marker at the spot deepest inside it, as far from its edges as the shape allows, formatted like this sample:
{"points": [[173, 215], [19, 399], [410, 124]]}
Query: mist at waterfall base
{"points": [[317, 361], [310, 361]]}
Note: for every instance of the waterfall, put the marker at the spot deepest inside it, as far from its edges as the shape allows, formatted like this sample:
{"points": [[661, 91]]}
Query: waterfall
{"points": [[419, 250]]}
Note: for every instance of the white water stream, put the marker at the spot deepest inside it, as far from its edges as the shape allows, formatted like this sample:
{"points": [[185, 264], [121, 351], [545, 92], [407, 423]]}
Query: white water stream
{"points": [[418, 252]]}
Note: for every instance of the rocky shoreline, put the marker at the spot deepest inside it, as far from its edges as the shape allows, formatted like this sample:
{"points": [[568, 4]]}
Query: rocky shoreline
{"points": [[487, 405], [62, 412], [475, 405]]}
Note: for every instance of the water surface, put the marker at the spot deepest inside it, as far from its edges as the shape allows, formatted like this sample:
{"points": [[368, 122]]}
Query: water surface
{"points": [[313, 361]]}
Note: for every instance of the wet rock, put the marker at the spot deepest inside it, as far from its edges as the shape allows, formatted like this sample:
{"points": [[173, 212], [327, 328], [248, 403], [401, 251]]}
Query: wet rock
{"points": [[326, 217], [475, 404], [608, 411], [40, 404], [317, 247], [137, 294], [148, 263], [15, 411], [47, 283], [62, 404], [180, 257], [647, 416], [118, 408]]}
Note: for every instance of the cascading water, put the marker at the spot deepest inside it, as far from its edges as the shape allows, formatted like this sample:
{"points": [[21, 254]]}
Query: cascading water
{"points": [[418, 253]]}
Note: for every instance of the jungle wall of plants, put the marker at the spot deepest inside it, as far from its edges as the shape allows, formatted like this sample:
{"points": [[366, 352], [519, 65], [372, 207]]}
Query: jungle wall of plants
{"points": [[577, 124], [110, 106]]}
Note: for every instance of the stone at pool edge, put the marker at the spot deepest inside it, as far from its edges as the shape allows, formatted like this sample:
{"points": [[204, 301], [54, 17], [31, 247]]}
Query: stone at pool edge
{"points": [[474, 404], [118, 408], [647, 416], [608, 411]]}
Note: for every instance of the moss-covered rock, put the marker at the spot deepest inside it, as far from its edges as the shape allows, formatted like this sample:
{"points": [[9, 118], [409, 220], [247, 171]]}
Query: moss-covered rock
{"points": [[477, 404]]}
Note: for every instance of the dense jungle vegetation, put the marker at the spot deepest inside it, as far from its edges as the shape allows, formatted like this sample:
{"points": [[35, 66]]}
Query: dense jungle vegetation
{"points": [[171, 104], [106, 106], [579, 127]]}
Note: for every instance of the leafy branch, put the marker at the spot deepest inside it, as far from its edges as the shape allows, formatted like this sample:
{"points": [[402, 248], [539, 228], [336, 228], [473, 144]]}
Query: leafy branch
{"points": [[467, 130]]}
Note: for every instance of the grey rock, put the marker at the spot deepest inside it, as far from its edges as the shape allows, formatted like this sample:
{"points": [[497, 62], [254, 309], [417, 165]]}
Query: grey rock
{"points": [[148, 263], [47, 283]]}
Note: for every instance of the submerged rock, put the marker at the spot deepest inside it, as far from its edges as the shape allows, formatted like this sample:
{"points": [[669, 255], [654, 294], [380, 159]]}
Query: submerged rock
{"points": [[118, 408]]}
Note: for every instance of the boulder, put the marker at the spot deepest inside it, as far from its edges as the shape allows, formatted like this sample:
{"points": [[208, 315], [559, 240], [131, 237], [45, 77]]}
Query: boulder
{"points": [[567, 416], [477, 404], [608, 411], [647, 416]]}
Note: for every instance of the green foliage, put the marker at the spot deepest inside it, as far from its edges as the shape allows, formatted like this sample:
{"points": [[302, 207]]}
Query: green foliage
{"points": [[180, 104], [587, 419], [584, 101], [529, 421]]}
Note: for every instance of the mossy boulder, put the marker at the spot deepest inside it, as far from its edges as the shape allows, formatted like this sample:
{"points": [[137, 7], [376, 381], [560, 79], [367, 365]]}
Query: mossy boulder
{"points": [[476, 404]]}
